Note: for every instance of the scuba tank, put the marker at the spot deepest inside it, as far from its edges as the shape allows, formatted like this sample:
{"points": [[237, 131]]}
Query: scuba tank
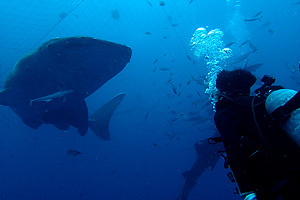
{"points": [[283, 105], [277, 100]]}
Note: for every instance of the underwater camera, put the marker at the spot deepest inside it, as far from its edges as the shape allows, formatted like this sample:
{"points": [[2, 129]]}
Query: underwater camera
{"points": [[264, 91], [268, 80]]}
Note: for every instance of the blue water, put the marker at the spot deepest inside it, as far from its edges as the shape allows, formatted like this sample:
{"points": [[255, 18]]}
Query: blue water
{"points": [[146, 155]]}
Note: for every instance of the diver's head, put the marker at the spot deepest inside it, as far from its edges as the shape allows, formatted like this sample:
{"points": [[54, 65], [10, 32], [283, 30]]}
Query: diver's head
{"points": [[235, 83]]}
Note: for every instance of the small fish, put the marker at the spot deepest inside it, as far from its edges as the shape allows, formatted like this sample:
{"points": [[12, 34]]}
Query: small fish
{"points": [[174, 89], [154, 144], [188, 57], [173, 119], [197, 101], [50, 97], [174, 25], [165, 37], [150, 4], [164, 69], [173, 112], [245, 42], [271, 31], [168, 81], [257, 14], [63, 15], [197, 118], [148, 33], [146, 116], [199, 80], [253, 19], [230, 44], [252, 47], [155, 61], [253, 68], [170, 96], [241, 58], [191, 1], [115, 14], [162, 3], [154, 69], [72, 152]]}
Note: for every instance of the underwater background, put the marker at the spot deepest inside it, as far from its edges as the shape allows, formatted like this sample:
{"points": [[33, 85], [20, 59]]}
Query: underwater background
{"points": [[165, 110]]}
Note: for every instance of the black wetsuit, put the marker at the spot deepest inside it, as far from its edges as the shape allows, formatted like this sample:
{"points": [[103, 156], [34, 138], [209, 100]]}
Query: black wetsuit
{"points": [[265, 161]]}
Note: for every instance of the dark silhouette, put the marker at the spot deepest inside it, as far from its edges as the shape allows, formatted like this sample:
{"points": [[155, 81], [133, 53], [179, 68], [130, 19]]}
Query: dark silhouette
{"points": [[49, 85], [265, 161], [207, 157]]}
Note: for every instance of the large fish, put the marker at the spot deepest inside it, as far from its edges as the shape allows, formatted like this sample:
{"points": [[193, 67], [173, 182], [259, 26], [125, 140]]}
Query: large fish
{"points": [[49, 85]]}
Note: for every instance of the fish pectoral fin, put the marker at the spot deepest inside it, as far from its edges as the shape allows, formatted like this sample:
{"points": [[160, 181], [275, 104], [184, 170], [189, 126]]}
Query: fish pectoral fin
{"points": [[79, 117], [75, 115]]}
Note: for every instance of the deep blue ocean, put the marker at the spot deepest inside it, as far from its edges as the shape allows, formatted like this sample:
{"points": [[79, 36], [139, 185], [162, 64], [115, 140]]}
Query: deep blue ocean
{"points": [[165, 109]]}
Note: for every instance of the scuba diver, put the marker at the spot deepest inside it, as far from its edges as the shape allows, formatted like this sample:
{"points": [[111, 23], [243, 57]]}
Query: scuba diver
{"points": [[264, 159]]}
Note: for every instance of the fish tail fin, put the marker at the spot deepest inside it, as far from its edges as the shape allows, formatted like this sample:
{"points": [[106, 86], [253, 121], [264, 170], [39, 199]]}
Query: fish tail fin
{"points": [[99, 121]]}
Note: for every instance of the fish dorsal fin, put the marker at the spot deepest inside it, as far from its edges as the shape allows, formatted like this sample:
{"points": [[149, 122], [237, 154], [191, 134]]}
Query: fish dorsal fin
{"points": [[99, 121]]}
